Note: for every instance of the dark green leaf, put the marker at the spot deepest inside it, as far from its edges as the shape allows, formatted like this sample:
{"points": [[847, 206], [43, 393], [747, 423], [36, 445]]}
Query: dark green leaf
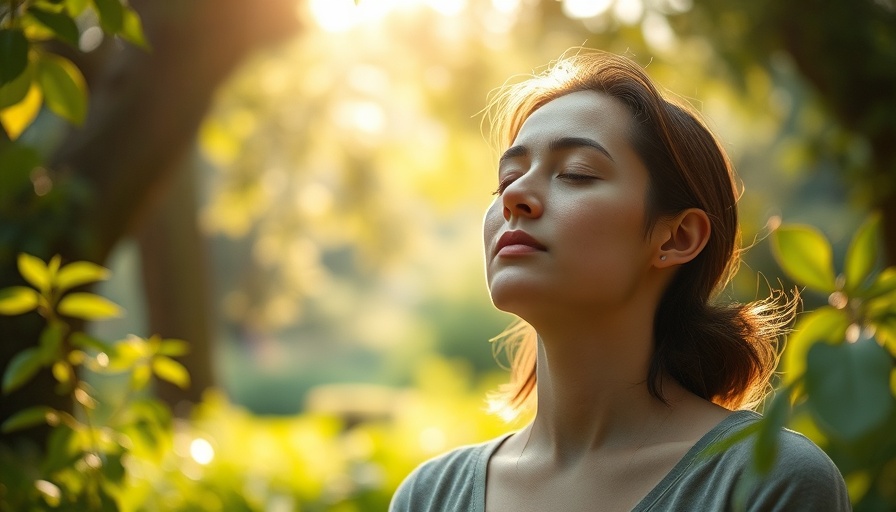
{"points": [[88, 306], [64, 88], [16, 300], [16, 90], [21, 368], [765, 451], [76, 7], [60, 23], [13, 54], [85, 341], [805, 256], [848, 386], [51, 341], [111, 15], [18, 162], [862, 254], [30, 417]]}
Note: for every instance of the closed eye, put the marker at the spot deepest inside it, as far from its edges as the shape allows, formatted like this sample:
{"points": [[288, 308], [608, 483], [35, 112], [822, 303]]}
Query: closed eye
{"points": [[572, 176], [503, 185]]}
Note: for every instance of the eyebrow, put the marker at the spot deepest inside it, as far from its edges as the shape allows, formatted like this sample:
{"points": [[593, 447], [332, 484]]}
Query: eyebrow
{"points": [[554, 145]]}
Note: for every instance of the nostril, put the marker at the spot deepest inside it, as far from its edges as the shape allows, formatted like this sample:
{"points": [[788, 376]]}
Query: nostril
{"points": [[524, 207]]}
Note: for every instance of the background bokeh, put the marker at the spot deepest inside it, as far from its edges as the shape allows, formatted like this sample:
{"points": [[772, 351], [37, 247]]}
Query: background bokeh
{"points": [[316, 234]]}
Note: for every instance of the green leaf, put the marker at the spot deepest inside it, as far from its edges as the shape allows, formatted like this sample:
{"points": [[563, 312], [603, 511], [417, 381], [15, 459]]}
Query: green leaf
{"points": [[88, 306], [170, 370], [848, 387], [51, 341], [16, 300], [173, 348], [132, 29], [64, 88], [765, 451], [862, 254], [805, 256], [140, 376], [78, 273], [30, 417], [21, 368], [62, 25], [111, 14], [86, 341], [15, 90], [825, 324], [884, 283], [13, 54], [76, 7], [35, 271], [62, 372]]}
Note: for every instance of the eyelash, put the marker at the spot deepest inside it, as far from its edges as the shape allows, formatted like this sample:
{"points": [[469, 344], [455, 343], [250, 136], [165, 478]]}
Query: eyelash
{"points": [[566, 175]]}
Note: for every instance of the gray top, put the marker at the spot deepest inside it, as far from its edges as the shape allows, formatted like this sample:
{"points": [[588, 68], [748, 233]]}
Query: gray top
{"points": [[803, 478]]}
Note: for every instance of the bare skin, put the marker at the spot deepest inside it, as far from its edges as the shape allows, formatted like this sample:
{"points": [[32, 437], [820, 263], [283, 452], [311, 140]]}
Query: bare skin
{"points": [[599, 440]]}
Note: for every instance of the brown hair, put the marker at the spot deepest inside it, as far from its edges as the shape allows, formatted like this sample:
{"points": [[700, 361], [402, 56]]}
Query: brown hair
{"points": [[722, 353]]}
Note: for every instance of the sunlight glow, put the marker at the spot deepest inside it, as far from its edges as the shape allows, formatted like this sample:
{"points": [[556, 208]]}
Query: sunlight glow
{"points": [[657, 32], [581, 9], [628, 11], [506, 6], [202, 451], [335, 15], [432, 439]]}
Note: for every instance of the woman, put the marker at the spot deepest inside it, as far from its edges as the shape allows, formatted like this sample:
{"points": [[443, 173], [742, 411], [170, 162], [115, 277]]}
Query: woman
{"points": [[615, 222]]}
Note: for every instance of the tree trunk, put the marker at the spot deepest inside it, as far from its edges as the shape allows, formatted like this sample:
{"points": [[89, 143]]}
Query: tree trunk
{"points": [[144, 112]]}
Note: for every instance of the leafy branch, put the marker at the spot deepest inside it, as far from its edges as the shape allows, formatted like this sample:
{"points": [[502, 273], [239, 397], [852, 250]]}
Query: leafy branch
{"points": [[89, 447]]}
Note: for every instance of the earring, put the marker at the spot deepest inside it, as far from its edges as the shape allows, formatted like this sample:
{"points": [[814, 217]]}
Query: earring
{"points": [[663, 257]]}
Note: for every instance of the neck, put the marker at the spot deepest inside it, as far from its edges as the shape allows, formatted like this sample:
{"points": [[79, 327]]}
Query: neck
{"points": [[592, 386]]}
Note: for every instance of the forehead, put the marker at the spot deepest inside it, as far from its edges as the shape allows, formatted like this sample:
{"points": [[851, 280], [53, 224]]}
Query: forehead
{"points": [[588, 114]]}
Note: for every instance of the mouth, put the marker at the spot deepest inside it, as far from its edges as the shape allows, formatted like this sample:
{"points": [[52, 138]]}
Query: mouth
{"points": [[517, 243]]}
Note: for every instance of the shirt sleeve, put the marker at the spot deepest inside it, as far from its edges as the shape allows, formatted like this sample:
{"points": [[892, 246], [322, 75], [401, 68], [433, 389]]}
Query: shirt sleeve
{"points": [[803, 479]]}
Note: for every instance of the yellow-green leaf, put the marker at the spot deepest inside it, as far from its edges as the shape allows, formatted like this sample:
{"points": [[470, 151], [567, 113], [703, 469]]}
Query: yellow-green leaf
{"points": [[18, 117], [21, 368], [140, 376], [76, 7], [862, 254], [173, 347], [35, 271], [78, 273], [170, 370], [30, 417], [64, 87], [16, 300], [824, 325], [61, 24], [16, 90], [132, 29], [62, 371], [805, 256], [111, 15], [88, 306]]}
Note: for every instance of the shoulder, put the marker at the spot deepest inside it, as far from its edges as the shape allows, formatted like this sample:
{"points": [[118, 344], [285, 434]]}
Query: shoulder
{"points": [[802, 477], [451, 481]]}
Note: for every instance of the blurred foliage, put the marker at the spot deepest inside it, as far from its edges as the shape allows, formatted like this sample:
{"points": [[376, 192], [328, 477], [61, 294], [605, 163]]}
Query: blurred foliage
{"points": [[838, 381], [83, 468], [344, 176]]}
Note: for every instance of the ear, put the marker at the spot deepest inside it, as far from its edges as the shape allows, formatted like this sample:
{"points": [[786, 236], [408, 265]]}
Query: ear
{"points": [[685, 235]]}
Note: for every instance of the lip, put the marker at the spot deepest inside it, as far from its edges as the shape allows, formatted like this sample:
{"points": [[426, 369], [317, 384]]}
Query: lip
{"points": [[517, 243]]}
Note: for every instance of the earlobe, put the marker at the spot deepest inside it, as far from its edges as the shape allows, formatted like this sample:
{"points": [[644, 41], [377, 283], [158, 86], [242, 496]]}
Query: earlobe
{"points": [[687, 235]]}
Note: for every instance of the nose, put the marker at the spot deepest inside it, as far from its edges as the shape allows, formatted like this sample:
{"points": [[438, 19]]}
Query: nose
{"points": [[521, 199]]}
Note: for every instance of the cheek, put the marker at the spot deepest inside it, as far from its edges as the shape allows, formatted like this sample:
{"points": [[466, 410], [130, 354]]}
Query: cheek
{"points": [[492, 222]]}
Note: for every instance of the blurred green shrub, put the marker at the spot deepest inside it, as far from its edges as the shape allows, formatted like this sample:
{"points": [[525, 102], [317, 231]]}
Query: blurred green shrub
{"points": [[838, 381]]}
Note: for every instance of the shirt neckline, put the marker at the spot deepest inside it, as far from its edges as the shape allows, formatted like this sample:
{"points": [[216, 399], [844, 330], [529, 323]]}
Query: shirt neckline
{"points": [[732, 420]]}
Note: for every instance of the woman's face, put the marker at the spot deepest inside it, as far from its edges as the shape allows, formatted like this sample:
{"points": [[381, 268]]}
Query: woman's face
{"points": [[567, 228]]}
